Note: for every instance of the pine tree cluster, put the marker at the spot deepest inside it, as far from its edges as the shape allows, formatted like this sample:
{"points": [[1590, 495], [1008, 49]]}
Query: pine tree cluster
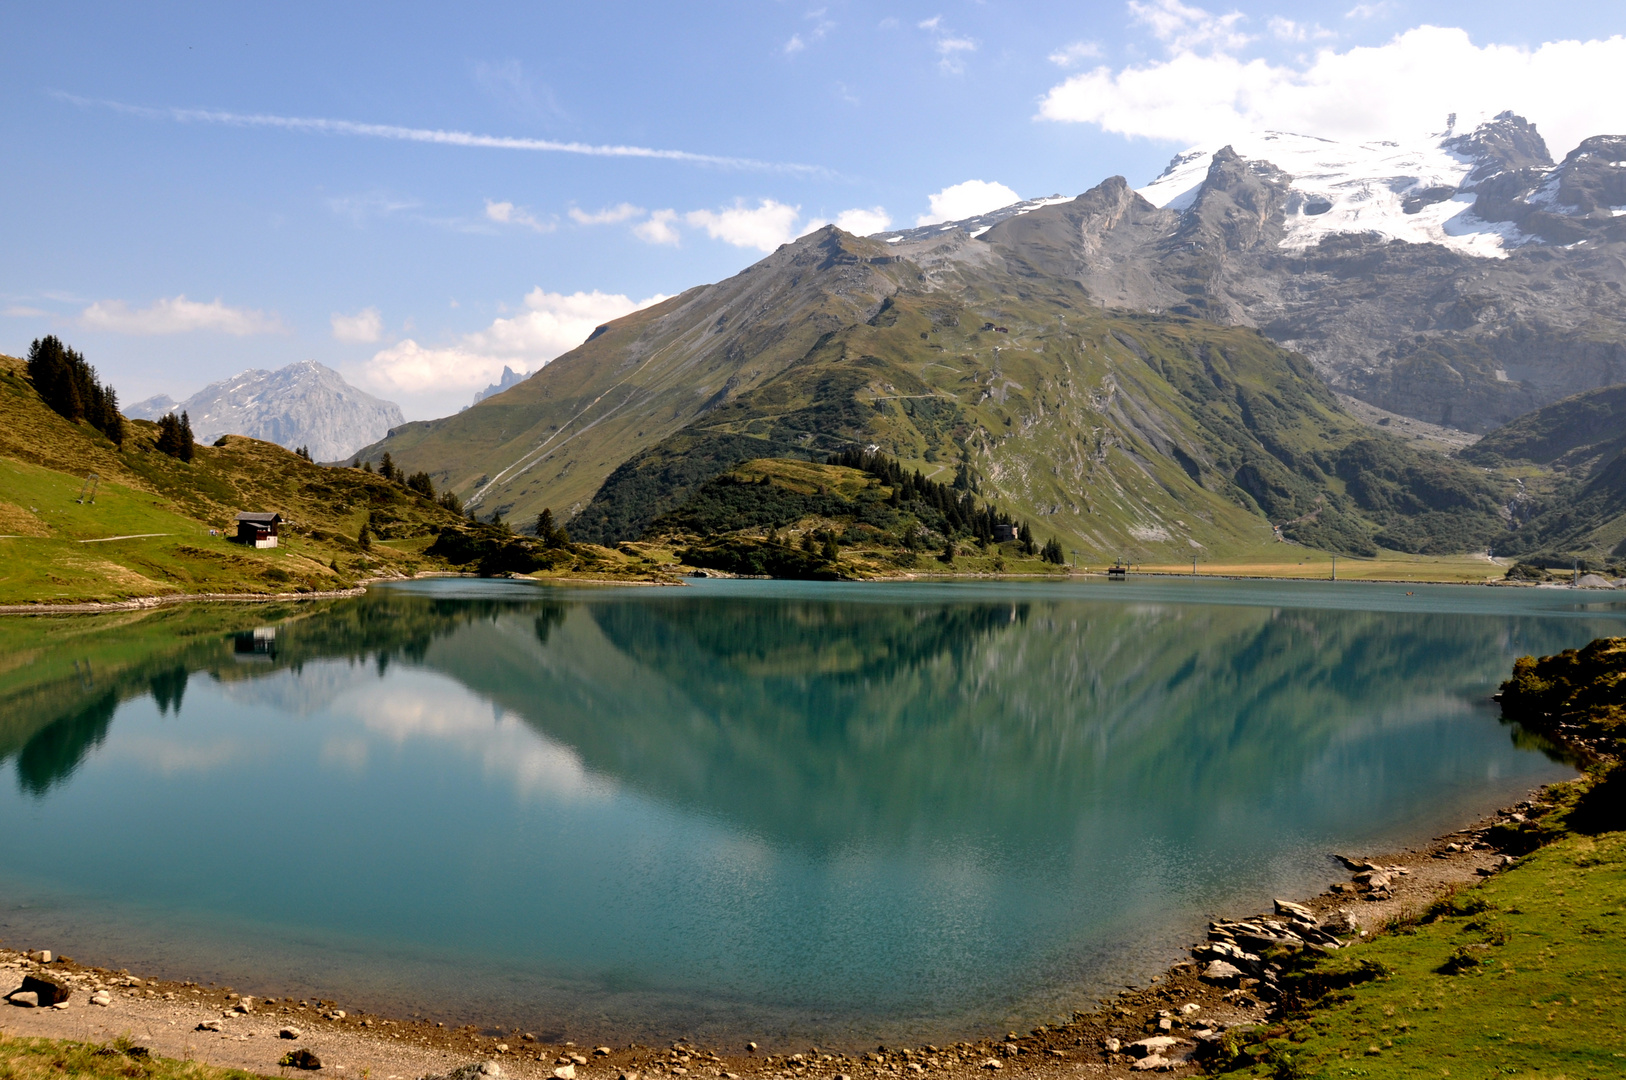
{"points": [[69, 386], [551, 535], [175, 436], [963, 515], [419, 482]]}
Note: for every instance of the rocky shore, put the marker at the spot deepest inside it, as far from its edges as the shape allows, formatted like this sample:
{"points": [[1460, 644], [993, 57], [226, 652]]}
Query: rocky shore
{"points": [[1229, 987]]}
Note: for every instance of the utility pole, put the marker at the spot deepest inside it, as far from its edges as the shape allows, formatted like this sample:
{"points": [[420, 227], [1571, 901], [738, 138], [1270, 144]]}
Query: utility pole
{"points": [[1335, 568]]}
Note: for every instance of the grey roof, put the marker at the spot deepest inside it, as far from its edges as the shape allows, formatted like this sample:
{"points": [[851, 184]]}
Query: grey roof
{"points": [[261, 519]]}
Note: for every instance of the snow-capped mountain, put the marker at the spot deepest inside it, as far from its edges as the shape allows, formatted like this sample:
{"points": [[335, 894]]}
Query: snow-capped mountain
{"points": [[1462, 279], [303, 404], [1470, 192]]}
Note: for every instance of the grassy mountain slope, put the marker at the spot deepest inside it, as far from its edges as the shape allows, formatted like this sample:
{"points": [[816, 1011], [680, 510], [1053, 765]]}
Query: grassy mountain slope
{"points": [[1119, 433], [1571, 456], [551, 440], [147, 533]]}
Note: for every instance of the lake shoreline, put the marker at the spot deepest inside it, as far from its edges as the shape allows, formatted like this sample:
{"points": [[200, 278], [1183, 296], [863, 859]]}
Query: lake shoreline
{"points": [[181, 1019], [143, 603]]}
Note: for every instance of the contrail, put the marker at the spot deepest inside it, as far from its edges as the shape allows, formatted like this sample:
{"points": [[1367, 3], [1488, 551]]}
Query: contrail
{"points": [[324, 126]]}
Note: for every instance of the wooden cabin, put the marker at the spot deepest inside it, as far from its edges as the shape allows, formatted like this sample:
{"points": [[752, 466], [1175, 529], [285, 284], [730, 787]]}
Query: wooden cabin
{"points": [[258, 530]]}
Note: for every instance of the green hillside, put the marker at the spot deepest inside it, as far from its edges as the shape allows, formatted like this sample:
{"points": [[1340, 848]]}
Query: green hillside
{"points": [[1149, 436], [160, 526], [1570, 458]]}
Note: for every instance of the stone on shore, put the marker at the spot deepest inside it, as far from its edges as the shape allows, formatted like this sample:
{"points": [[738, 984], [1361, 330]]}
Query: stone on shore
{"points": [[42, 956], [288, 1033], [475, 1070], [209, 1025], [300, 1059], [1221, 973], [24, 999], [565, 1072], [1157, 1044], [993, 1063], [49, 988], [1294, 911], [1152, 1063], [101, 997]]}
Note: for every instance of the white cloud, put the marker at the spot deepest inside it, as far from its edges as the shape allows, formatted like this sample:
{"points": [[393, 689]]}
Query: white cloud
{"points": [[23, 311], [613, 215], [967, 200], [326, 126], [861, 222], [1069, 55], [794, 45], [377, 204], [1182, 28], [365, 326], [949, 47], [506, 213], [1369, 11], [764, 226], [658, 229], [552, 324], [1403, 88], [1288, 30], [177, 316]]}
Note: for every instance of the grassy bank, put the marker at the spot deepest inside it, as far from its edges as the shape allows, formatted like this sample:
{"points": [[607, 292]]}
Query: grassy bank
{"points": [[52, 1059], [1521, 975]]}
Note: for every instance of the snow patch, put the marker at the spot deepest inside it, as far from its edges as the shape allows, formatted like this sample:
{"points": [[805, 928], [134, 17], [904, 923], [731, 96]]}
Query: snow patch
{"points": [[1355, 188]]}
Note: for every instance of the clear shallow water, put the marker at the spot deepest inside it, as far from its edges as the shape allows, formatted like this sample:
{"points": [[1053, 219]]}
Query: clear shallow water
{"points": [[782, 810]]}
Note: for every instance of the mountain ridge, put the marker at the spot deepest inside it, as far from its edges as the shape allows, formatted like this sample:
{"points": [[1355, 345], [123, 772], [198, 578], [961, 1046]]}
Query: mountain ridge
{"points": [[305, 404]]}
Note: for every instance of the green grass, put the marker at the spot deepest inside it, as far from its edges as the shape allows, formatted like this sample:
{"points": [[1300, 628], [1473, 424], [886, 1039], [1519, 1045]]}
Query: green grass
{"points": [[53, 1059], [1523, 975], [165, 509]]}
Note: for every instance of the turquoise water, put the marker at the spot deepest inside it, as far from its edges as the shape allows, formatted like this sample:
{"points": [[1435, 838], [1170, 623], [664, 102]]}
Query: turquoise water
{"points": [[785, 811]]}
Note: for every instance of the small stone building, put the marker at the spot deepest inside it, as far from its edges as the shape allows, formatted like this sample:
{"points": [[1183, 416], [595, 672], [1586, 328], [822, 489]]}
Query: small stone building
{"points": [[258, 530]]}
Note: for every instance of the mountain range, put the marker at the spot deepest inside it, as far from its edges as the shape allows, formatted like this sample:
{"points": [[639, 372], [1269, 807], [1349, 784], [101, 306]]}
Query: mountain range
{"points": [[302, 405], [1144, 371]]}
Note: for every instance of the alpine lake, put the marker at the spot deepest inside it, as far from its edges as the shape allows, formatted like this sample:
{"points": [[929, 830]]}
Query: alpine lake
{"points": [[741, 809]]}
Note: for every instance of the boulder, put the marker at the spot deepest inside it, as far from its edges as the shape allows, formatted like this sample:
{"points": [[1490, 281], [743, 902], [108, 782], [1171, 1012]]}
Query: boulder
{"points": [[209, 1025], [1221, 973], [476, 1070], [24, 999], [1152, 1063], [1157, 1044], [300, 1059], [565, 1072], [51, 990], [288, 1033], [1294, 911]]}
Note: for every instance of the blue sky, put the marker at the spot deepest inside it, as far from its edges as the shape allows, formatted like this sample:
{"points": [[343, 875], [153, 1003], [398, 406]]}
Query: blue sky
{"points": [[171, 207]]}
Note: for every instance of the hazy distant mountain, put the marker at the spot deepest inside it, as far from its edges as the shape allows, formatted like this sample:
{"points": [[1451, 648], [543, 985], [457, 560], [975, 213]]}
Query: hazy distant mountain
{"points": [[303, 404], [510, 377]]}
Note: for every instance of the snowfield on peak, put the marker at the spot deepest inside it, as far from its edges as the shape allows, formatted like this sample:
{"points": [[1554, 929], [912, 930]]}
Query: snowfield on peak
{"points": [[1412, 193]]}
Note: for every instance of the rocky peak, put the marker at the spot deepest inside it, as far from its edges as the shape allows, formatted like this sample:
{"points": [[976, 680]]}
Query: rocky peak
{"points": [[1507, 143], [1592, 179]]}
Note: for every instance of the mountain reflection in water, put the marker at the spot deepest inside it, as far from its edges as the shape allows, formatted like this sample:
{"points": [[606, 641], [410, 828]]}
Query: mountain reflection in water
{"points": [[747, 807]]}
